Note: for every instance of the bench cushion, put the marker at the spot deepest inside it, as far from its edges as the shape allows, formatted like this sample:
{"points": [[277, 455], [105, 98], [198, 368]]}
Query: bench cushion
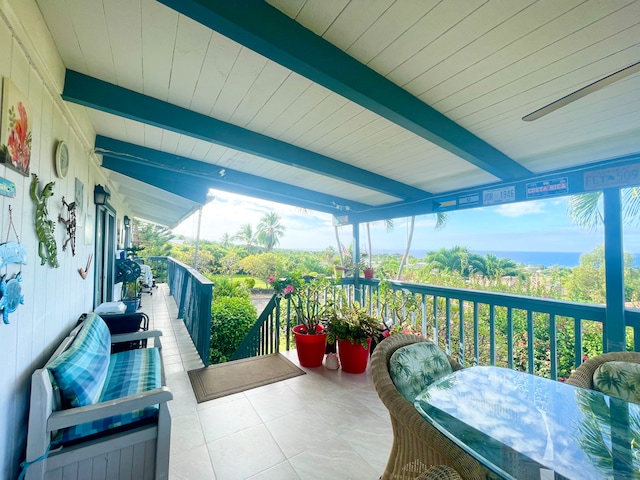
{"points": [[130, 372], [618, 379], [80, 371], [415, 366]]}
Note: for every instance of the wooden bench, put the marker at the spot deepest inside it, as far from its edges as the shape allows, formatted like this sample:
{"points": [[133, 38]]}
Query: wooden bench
{"points": [[99, 415]]}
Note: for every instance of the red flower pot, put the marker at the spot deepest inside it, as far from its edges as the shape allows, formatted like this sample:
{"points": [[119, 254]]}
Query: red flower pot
{"points": [[353, 357], [310, 348], [368, 272]]}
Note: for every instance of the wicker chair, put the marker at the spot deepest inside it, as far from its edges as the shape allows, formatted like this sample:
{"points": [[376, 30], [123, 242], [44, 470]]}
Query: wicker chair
{"points": [[583, 375], [440, 472], [417, 445]]}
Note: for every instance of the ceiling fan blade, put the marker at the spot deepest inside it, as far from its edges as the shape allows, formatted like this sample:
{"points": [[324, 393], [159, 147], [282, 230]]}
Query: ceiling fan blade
{"points": [[572, 97]]}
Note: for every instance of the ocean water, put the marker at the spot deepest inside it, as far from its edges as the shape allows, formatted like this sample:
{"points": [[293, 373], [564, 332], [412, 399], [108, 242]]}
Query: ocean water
{"points": [[547, 259]]}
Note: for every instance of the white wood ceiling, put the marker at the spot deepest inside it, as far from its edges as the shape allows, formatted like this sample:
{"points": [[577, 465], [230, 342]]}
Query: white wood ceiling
{"points": [[482, 63]]}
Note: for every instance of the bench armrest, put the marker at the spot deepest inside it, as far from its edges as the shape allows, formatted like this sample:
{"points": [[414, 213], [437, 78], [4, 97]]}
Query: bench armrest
{"points": [[141, 335], [79, 415]]}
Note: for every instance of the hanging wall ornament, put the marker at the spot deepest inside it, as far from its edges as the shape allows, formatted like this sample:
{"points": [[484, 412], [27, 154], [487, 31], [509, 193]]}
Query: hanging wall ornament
{"points": [[70, 224], [47, 248], [10, 290]]}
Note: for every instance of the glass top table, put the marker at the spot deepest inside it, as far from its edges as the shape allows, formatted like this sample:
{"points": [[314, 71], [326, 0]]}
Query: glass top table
{"points": [[522, 426]]}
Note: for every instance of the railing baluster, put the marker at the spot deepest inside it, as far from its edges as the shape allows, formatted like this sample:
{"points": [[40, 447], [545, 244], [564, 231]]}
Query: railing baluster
{"points": [[476, 335], [510, 337], [492, 334], [436, 322], [553, 350], [461, 330], [577, 338], [424, 316], [530, 342], [448, 320]]}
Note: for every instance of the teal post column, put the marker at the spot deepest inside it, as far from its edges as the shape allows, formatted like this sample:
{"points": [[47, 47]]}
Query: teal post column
{"points": [[356, 260], [614, 327]]}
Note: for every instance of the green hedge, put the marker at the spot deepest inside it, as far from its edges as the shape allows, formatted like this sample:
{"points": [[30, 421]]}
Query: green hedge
{"points": [[231, 319]]}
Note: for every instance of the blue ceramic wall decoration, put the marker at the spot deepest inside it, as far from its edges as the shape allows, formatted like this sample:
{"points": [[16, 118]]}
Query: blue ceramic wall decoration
{"points": [[11, 292], [12, 252], [7, 188]]}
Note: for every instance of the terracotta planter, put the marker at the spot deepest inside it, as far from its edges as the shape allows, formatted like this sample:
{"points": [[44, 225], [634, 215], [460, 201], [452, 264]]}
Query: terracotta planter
{"points": [[368, 272], [310, 348], [353, 358]]}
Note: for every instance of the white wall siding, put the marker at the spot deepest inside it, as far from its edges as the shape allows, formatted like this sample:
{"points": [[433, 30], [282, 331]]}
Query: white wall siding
{"points": [[54, 297]]}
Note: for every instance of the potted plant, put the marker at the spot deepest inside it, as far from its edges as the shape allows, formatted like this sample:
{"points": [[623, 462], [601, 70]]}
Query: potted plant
{"points": [[310, 304], [338, 271], [352, 327]]}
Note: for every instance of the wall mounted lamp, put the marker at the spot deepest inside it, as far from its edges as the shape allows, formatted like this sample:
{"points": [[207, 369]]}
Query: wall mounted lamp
{"points": [[127, 221], [100, 195]]}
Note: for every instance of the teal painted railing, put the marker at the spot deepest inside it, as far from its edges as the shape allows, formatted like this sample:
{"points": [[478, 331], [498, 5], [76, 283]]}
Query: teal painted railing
{"points": [[480, 327], [264, 336], [193, 294]]}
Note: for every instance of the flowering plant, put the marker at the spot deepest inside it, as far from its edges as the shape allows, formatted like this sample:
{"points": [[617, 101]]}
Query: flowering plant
{"points": [[310, 300], [284, 287]]}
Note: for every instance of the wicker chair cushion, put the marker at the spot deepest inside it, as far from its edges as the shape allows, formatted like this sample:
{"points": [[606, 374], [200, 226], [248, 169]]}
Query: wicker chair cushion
{"points": [[618, 379], [415, 366]]}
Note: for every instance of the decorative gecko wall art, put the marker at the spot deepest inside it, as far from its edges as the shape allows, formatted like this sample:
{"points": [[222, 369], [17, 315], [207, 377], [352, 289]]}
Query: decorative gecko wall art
{"points": [[47, 247]]}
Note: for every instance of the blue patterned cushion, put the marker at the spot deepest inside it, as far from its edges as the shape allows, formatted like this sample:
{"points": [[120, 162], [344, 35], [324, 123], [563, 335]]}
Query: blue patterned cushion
{"points": [[130, 372], [80, 371], [415, 366], [618, 379]]}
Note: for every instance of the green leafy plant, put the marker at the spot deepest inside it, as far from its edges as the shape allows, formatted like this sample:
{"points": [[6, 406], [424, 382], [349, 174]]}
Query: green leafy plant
{"points": [[312, 303], [352, 322]]}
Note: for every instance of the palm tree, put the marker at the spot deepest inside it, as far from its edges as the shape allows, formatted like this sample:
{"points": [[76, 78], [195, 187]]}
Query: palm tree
{"points": [[441, 220], [586, 209], [246, 235], [226, 241], [389, 226], [269, 231]]}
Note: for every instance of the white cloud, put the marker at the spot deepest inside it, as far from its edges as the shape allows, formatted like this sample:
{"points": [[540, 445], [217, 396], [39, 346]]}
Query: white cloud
{"points": [[522, 208]]}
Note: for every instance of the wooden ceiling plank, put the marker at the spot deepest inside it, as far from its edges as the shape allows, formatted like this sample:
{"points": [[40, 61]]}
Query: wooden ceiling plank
{"points": [[267, 31], [469, 30], [354, 20], [192, 42], [60, 24], [268, 82], [489, 53], [391, 25], [434, 20], [320, 14], [159, 30], [94, 37], [245, 71], [330, 106], [125, 36], [286, 94], [218, 62], [544, 54]]}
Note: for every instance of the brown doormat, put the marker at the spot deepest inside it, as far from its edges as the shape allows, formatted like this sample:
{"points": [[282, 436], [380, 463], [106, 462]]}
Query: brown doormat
{"points": [[232, 377]]}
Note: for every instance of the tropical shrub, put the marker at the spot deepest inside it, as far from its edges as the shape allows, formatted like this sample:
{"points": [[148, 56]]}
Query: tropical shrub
{"points": [[231, 320]]}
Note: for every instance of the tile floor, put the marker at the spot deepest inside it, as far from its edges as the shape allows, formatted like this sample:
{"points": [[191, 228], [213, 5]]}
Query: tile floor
{"points": [[323, 425]]}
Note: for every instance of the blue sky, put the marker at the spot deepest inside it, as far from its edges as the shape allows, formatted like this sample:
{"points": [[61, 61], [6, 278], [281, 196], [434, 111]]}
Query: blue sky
{"points": [[538, 226]]}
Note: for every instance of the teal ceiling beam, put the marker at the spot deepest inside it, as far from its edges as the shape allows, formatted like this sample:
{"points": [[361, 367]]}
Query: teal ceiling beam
{"points": [[623, 171], [267, 31], [186, 187], [167, 166], [106, 97]]}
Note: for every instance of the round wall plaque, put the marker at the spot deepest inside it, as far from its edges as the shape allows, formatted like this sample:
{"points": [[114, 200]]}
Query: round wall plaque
{"points": [[62, 159]]}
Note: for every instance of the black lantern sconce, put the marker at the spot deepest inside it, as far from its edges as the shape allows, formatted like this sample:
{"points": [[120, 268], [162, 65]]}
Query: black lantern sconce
{"points": [[100, 195], [127, 221]]}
